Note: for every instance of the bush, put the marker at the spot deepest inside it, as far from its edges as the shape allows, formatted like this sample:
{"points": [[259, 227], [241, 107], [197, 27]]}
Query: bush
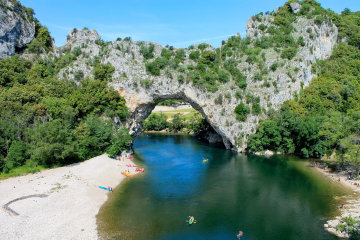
{"points": [[177, 123], [120, 142], [301, 41], [207, 58], [147, 52], [156, 122], [319, 20], [152, 68], [242, 111], [256, 109], [274, 66], [146, 83], [104, 72], [223, 76], [289, 53], [194, 55], [16, 156]]}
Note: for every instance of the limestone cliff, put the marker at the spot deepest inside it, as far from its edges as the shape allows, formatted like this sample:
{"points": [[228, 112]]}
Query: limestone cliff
{"points": [[17, 27]]}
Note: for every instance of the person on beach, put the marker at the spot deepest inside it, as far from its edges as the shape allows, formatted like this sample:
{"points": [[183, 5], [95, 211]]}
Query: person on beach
{"points": [[240, 234]]}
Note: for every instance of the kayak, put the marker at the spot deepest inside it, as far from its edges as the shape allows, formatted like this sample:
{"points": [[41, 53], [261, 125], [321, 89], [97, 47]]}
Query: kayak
{"points": [[140, 170], [191, 220], [105, 188], [127, 174], [129, 165], [205, 160]]}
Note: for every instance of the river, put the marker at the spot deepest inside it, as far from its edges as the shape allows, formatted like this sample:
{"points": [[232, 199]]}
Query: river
{"points": [[266, 198]]}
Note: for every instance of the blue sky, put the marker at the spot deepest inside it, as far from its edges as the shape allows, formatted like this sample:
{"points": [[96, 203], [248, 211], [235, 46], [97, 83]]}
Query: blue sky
{"points": [[179, 23]]}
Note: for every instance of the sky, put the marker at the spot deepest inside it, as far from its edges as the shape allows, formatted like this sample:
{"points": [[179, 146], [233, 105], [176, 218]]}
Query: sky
{"points": [[178, 23]]}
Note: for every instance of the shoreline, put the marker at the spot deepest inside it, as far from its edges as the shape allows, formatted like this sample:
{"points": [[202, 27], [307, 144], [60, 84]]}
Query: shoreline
{"points": [[352, 205], [73, 200]]}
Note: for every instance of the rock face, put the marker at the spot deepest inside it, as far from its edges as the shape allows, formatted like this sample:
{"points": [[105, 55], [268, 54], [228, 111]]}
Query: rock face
{"points": [[143, 91], [16, 28], [295, 7]]}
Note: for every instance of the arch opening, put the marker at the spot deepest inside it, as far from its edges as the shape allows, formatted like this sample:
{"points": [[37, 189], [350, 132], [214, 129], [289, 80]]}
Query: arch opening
{"points": [[210, 133]]}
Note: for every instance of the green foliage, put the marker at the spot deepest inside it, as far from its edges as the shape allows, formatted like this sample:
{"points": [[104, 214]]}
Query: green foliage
{"points": [[223, 76], [155, 66], [180, 55], [146, 83], [177, 123], [42, 42], [351, 226], [242, 111], [207, 58], [274, 66], [13, 71], [166, 53], [147, 52], [104, 72], [289, 53], [120, 142], [50, 122], [202, 46], [326, 116], [194, 55], [301, 41], [156, 122], [16, 156]]}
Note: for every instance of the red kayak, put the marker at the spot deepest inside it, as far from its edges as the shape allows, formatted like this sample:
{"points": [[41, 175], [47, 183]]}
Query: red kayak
{"points": [[140, 170]]}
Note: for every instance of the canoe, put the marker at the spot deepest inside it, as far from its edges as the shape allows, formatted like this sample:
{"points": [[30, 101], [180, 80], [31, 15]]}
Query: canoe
{"points": [[127, 174], [105, 188]]}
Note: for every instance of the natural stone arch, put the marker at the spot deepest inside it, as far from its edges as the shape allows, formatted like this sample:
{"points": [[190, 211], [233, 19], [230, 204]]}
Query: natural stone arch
{"points": [[143, 110], [142, 90]]}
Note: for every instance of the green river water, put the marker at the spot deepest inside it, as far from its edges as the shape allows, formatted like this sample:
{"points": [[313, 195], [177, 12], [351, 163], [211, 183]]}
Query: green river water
{"points": [[266, 198]]}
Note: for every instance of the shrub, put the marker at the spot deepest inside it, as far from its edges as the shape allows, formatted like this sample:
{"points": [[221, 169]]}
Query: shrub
{"points": [[207, 58], [120, 142], [147, 52], [242, 111], [319, 20], [146, 83], [223, 76], [289, 53], [16, 156], [194, 55], [219, 100], [262, 27], [181, 79], [274, 66], [256, 109], [156, 122], [180, 55], [301, 41]]}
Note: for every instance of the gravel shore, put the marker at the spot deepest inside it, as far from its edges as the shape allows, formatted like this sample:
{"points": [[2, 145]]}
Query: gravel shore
{"points": [[60, 203], [352, 206]]}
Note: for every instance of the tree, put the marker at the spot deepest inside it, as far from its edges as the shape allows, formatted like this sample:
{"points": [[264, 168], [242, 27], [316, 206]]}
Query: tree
{"points": [[120, 142], [177, 123], [241, 112], [16, 156]]}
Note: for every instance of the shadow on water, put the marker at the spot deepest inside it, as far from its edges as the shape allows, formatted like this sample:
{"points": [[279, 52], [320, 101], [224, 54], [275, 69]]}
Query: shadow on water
{"points": [[266, 198]]}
